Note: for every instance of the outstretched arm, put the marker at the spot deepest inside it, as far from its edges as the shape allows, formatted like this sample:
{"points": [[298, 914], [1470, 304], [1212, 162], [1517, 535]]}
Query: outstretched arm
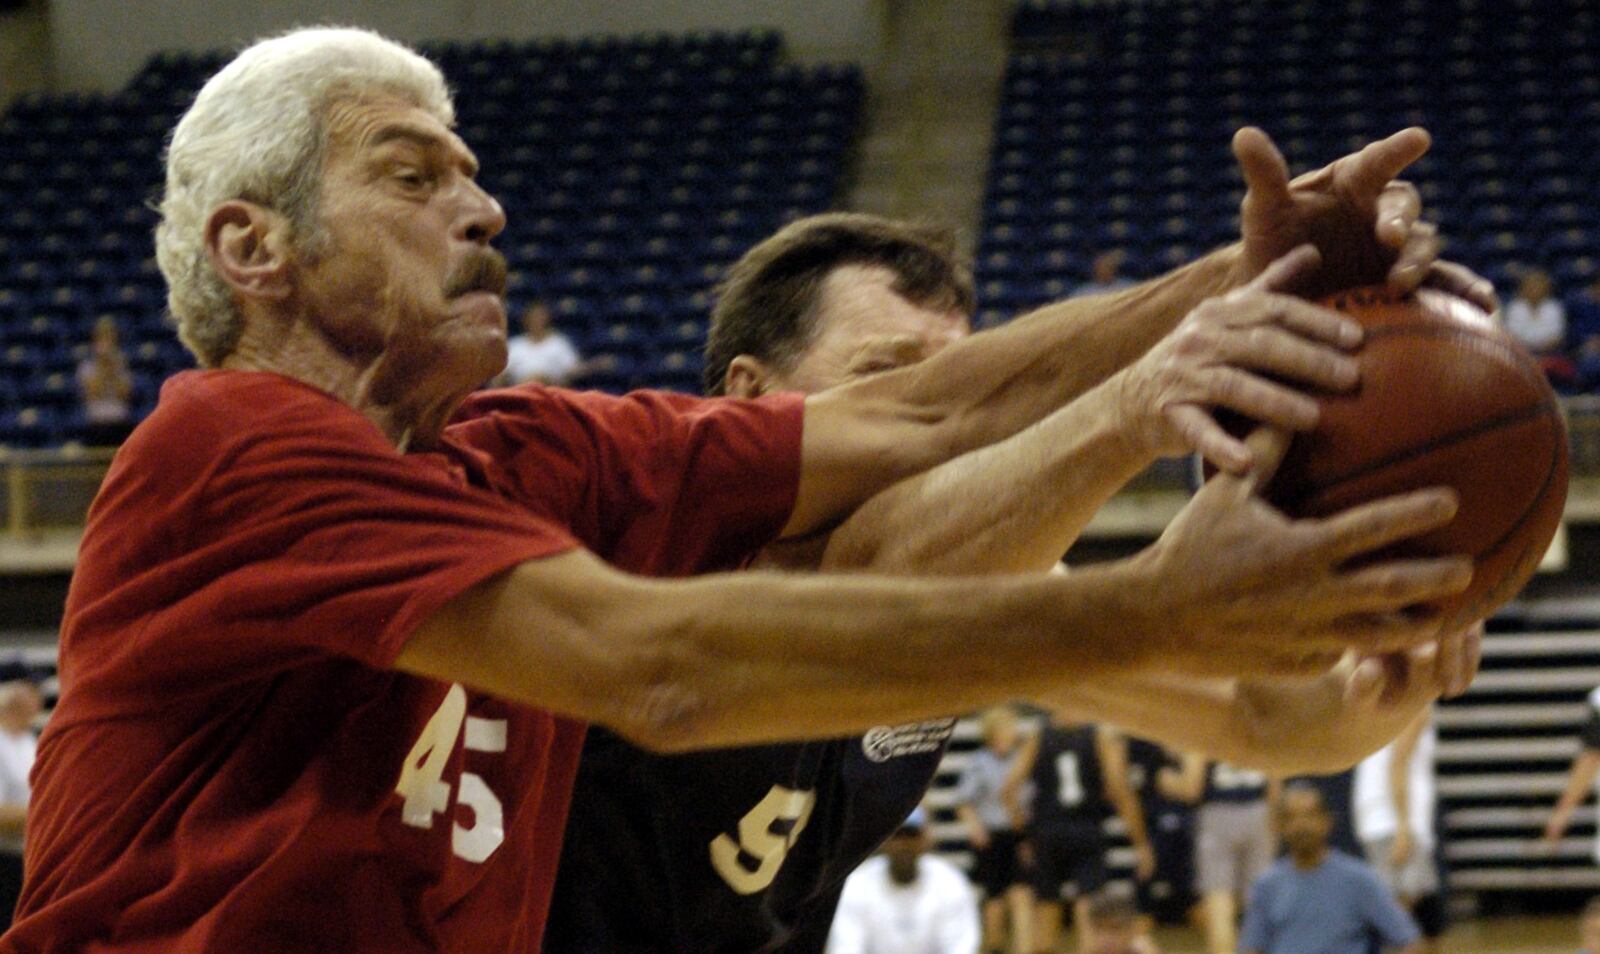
{"points": [[1580, 782], [1112, 748], [864, 437]]}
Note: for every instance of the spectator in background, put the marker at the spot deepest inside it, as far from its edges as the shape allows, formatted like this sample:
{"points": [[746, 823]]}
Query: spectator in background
{"points": [[1538, 320], [994, 826], [1318, 900], [1106, 272], [1581, 779], [1583, 333], [106, 386], [544, 354], [1080, 776], [1589, 928], [1114, 920], [20, 705], [906, 901], [1234, 842], [1394, 804], [1169, 895]]}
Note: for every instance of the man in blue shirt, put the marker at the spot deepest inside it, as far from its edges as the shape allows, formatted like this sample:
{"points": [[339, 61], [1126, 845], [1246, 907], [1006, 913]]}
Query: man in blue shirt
{"points": [[1321, 901]]}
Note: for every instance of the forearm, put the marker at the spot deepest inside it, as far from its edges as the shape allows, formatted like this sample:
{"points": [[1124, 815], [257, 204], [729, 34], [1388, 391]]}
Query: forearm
{"points": [[1015, 506], [871, 434], [755, 657], [1579, 781], [1190, 714]]}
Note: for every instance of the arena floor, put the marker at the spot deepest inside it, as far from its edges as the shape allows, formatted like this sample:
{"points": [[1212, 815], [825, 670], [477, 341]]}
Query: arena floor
{"points": [[1557, 935]]}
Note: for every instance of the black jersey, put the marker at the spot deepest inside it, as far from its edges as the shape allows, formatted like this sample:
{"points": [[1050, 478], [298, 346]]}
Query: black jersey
{"points": [[1068, 779], [734, 850], [1228, 783]]}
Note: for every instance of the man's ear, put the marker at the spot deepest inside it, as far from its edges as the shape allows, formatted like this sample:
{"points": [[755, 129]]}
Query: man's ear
{"points": [[248, 245], [748, 377]]}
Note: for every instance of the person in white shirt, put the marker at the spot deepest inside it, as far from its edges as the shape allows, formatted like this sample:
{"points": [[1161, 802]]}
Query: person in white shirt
{"points": [[1535, 317], [1395, 783], [906, 901], [541, 353], [20, 705]]}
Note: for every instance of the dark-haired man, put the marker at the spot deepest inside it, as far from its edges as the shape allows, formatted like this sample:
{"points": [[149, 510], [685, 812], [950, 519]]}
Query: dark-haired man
{"points": [[744, 849]]}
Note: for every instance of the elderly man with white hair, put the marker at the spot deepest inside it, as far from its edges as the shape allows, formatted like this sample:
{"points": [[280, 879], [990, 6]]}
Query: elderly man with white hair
{"points": [[326, 663]]}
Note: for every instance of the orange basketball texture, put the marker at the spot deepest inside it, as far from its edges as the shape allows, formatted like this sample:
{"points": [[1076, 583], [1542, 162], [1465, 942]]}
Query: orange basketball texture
{"points": [[1446, 398]]}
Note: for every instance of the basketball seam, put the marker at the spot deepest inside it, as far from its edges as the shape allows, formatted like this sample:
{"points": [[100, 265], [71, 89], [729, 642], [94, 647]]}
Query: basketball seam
{"points": [[1504, 420]]}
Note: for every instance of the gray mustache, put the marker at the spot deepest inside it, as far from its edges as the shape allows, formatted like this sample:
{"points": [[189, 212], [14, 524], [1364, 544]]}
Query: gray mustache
{"points": [[482, 270]]}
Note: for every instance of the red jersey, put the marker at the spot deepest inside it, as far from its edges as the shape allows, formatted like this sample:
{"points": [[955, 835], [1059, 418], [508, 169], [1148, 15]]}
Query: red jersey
{"points": [[234, 766]]}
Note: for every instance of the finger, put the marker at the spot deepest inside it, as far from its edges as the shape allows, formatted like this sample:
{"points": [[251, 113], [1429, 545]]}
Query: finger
{"points": [[1399, 584], [1463, 282], [1266, 174], [1268, 446], [1203, 435], [1283, 354], [1448, 671], [1302, 666], [1284, 271], [1399, 208], [1258, 399], [1304, 318], [1421, 250], [1381, 634], [1365, 682], [1374, 166], [1374, 525], [1470, 659], [1417, 678]]}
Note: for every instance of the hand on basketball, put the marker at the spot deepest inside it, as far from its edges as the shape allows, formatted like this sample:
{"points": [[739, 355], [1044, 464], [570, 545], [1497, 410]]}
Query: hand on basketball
{"points": [[1366, 224], [1245, 351], [1251, 592]]}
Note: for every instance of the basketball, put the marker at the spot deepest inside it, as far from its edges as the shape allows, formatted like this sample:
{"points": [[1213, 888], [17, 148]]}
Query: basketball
{"points": [[1446, 398]]}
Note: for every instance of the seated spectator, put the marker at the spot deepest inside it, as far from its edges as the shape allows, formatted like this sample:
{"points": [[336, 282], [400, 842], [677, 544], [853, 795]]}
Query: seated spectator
{"points": [[1106, 271], [1539, 321], [1318, 900], [1589, 928], [905, 901], [106, 386], [542, 353], [996, 834], [1583, 333], [20, 705], [1114, 922]]}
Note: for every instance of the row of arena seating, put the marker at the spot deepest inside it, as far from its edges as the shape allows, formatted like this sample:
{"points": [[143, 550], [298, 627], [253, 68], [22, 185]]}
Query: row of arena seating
{"points": [[632, 170], [1115, 121]]}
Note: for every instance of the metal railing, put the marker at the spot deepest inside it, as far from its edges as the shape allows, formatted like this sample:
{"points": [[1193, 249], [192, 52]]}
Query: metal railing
{"points": [[50, 489]]}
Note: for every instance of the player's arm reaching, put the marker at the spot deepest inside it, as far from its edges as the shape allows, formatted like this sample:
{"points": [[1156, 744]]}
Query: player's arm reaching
{"points": [[864, 437], [1581, 779], [1405, 745], [1113, 750], [1187, 782]]}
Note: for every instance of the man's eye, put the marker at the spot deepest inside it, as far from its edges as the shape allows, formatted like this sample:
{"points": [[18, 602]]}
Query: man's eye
{"points": [[412, 179]]}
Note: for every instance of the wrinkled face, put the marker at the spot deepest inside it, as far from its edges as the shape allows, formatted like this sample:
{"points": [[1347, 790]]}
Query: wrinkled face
{"points": [[1304, 822], [864, 327], [403, 274]]}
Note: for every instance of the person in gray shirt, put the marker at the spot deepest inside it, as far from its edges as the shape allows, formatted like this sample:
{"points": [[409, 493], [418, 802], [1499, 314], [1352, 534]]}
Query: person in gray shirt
{"points": [[1318, 900], [996, 834]]}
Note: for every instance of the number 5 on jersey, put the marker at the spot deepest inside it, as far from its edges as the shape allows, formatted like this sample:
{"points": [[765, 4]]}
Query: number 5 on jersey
{"points": [[759, 841], [426, 793]]}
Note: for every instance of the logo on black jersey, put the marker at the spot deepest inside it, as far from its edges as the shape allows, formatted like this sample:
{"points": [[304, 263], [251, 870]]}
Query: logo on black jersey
{"points": [[885, 742]]}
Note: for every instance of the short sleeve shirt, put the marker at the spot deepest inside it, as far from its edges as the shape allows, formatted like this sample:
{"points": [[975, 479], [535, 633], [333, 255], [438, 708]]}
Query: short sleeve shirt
{"points": [[234, 765], [1338, 907]]}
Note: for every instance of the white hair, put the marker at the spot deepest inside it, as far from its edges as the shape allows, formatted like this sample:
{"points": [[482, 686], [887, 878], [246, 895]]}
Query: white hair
{"points": [[256, 132]]}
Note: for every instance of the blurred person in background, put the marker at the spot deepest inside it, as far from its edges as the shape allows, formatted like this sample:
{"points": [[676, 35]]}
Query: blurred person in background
{"points": [[106, 387], [1318, 900], [1394, 801], [1106, 274], [995, 829], [1538, 320], [1079, 773], [543, 354], [906, 901], [20, 705], [1234, 842], [1114, 919], [1580, 779], [1168, 896]]}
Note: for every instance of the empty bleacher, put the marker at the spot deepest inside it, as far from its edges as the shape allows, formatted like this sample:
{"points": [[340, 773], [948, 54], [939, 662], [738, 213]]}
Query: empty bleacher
{"points": [[632, 172]]}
